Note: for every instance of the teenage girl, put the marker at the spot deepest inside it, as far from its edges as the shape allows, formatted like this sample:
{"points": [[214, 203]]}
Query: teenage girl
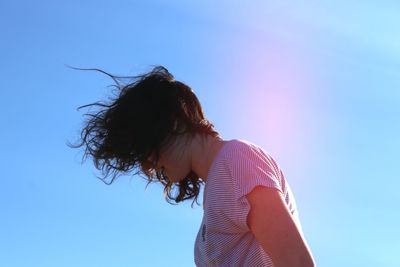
{"points": [[156, 125]]}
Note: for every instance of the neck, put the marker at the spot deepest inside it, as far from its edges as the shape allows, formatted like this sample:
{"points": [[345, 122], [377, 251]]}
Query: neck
{"points": [[204, 151]]}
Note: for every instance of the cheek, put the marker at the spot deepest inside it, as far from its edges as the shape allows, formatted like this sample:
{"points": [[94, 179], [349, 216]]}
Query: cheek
{"points": [[177, 166], [183, 170], [171, 172]]}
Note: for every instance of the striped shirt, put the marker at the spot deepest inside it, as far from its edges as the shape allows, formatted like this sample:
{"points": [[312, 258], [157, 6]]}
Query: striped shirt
{"points": [[224, 238]]}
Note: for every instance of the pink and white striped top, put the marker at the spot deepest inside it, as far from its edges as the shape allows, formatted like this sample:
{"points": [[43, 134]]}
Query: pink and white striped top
{"points": [[224, 238]]}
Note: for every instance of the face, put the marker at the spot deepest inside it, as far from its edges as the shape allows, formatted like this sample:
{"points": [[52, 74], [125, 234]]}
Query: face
{"points": [[175, 160]]}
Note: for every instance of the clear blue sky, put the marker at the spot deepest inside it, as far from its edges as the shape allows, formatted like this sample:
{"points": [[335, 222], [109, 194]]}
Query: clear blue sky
{"points": [[315, 83]]}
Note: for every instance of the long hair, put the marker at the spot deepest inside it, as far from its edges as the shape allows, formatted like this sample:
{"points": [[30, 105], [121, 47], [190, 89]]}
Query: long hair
{"points": [[146, 114]]}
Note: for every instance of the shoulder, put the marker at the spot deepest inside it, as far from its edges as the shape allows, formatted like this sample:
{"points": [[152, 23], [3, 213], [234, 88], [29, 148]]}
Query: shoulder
{"points": [[241, 150], [246, 159], [242, 146]]}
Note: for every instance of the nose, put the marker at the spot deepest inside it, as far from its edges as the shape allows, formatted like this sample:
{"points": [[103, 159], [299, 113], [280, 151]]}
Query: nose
{"points": [[163, 172]]}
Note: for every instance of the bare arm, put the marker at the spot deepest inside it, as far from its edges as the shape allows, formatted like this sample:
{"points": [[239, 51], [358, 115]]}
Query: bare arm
{"points": [[276, 230]]}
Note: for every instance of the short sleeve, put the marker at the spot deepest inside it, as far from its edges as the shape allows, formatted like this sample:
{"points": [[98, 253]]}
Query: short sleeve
{"points": [[251, 166]]}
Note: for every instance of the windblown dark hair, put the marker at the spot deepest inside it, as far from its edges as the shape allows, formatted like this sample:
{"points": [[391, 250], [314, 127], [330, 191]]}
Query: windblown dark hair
{"points": [[145, 116]]}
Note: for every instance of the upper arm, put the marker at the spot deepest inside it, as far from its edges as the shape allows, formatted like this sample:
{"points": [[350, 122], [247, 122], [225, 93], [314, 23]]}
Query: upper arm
{"points": [[275, 228]]}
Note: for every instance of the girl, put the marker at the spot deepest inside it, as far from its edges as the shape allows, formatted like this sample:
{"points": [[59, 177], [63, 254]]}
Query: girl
{"points": [[156, 124]]}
